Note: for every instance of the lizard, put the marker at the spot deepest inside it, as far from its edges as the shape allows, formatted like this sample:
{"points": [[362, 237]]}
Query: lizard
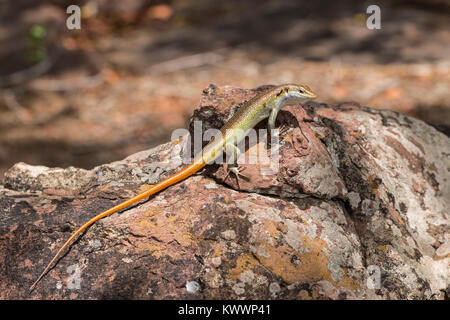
{"points": [[265, 105]]}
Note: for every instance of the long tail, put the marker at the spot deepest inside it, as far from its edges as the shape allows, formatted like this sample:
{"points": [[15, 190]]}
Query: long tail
{"points": [[181, 175]]}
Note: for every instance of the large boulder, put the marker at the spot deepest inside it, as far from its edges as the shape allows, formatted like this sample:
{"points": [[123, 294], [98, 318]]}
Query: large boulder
{"points": [[358, 209]]}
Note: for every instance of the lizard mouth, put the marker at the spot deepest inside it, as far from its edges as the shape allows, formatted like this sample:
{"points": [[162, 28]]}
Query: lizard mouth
{"points": [[312, 95]]}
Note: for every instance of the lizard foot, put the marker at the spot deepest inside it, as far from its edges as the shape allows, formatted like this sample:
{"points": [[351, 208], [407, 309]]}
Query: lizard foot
{"points": [[237, 172]]}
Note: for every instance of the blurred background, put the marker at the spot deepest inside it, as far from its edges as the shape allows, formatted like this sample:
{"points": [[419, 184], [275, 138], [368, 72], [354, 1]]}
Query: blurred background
{"points": [[136, 68]]}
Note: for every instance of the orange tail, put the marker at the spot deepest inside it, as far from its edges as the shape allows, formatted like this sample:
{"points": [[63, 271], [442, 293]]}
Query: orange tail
{"points": [[181, 175]]}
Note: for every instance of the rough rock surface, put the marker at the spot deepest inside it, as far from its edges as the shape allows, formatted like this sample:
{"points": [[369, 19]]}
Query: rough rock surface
{"points": [[360, 199]]}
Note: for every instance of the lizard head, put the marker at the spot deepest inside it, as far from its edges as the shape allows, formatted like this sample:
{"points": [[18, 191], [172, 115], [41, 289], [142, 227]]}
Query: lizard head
{"points": [[302, 91], [291, 94]]}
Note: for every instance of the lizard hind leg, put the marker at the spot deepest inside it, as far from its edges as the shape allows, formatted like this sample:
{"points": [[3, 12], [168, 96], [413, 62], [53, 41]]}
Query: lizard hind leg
{"points": [[236, 170]]}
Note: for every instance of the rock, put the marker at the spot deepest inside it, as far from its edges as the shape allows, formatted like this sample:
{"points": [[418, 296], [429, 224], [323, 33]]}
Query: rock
{"points": [[358, 209]]}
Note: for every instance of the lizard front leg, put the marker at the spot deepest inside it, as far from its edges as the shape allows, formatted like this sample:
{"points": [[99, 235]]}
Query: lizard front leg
{"points": [[272, 119], [271, 122], [283, 129]]}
